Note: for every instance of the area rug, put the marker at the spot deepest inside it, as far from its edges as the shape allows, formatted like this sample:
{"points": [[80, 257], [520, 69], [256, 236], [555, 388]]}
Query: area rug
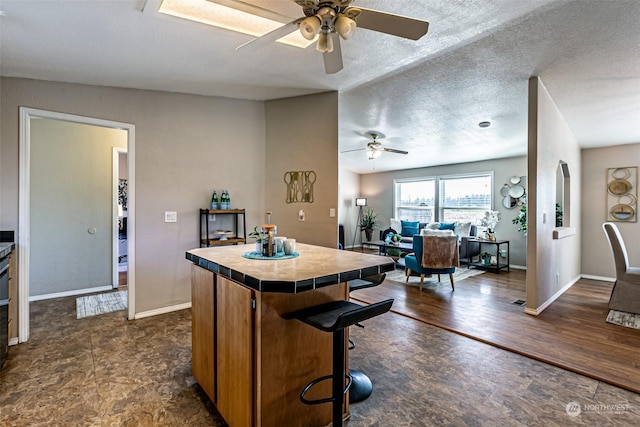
{"points": [[622, 318], [432, 282], [94, 305]]}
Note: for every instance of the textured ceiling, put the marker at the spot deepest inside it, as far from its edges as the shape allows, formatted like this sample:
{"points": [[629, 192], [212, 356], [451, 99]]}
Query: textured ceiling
{"points": [[425, 97]]}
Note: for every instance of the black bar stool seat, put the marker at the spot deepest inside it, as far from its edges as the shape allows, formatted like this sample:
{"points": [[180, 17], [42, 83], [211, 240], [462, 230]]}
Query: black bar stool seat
{"points": [[334, 317]]}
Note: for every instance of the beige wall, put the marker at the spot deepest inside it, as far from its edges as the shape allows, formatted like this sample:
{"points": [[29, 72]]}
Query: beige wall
{"points": [[553, 264], [596, 254], [186, 146], [378, 188], [302, 135], [71, 192]]}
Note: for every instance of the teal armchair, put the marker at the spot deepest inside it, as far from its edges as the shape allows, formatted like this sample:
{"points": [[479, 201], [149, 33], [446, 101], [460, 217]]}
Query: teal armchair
{"points": [[413, 264]]}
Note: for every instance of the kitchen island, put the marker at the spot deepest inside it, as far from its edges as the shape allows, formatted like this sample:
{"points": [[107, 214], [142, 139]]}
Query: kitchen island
{"points": [[251, 362]]}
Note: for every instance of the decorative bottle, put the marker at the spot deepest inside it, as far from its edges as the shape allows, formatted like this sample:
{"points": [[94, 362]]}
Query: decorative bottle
{"points": [[214, 200], [223, 200], [228, 200]]}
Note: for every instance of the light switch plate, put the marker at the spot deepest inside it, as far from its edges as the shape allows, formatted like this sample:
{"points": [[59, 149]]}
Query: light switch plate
{"points": [[332, 212], [171, 216]]}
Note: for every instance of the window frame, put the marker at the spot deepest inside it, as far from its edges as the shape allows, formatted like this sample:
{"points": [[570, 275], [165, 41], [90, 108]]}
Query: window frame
{"points": [[438, 206]]}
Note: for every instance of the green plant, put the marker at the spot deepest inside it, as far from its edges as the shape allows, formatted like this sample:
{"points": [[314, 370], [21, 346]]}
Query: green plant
{"points": [[255, 234], [369, 220], [521, 219], [558, 215], [485, 256]]}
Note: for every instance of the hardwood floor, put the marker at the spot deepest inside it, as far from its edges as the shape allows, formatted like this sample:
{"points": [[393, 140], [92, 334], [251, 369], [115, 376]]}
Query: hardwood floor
{"points": [[571, 333]]}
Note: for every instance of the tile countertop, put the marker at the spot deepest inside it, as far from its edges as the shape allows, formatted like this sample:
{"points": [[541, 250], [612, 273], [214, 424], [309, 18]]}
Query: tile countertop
{"points": [[6, 248], [316, 267]]}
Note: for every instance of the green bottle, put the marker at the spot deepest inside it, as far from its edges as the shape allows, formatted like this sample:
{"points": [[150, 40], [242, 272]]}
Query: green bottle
{"points": [[214, 200]]}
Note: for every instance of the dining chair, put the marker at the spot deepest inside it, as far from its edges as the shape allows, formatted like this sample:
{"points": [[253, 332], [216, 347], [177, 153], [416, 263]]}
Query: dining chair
{"points": [[625, 295]]}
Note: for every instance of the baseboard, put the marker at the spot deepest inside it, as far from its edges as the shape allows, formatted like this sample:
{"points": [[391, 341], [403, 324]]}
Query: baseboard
{"points": [[162, 310], [71, 293], [601, 278], [14, 341], [547, 303], [518, 267]]}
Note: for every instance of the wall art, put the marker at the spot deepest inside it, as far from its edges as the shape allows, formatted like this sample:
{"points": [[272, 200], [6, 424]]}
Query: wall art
{"points": [[622, 194], [300, 186]]}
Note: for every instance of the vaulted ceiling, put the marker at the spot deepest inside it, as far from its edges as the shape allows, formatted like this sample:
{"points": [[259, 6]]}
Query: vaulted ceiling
{"points": [[426, 97]]}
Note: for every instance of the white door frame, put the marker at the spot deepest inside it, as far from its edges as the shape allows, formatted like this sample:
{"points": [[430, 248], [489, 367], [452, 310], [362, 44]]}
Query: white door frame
{"points": [[26, 114], [115, 168]]}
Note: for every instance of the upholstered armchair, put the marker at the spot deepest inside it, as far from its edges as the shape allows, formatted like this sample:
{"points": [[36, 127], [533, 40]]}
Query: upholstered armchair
{"points": [[441, 257], [625, 295]]}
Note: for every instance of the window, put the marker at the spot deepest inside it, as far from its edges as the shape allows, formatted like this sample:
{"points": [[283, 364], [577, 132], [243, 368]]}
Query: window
{"points": [[452, 198], [464, 198], [415, 200]]}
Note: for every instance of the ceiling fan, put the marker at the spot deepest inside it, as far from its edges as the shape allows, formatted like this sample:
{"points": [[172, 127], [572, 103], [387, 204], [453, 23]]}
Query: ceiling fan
{"points": [[332, 19], [374, 148]]}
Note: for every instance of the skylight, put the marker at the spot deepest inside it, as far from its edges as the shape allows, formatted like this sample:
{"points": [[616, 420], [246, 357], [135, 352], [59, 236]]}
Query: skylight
{"points": [[217, 15]]}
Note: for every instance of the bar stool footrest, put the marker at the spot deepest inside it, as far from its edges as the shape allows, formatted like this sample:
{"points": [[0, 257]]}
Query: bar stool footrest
{"points": [[326, 399]]}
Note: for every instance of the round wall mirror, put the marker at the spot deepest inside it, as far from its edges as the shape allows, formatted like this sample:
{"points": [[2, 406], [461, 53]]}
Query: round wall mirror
{"points": [[509, 202], [516, 191]]}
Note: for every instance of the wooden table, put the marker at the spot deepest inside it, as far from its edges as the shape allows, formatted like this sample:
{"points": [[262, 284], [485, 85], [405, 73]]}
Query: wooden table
{"points": [[251, 362]]}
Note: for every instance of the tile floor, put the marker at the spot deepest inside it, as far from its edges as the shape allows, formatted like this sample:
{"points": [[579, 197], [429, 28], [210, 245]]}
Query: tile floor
{"points": [[107, 371]]}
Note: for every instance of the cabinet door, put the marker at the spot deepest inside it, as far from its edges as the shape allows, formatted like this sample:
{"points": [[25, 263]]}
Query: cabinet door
{"points": [[234, 329], [202, 329]]}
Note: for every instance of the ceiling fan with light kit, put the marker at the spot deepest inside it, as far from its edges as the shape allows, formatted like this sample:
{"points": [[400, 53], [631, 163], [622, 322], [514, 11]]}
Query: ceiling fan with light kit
{"points": [[374, 147], [330, 20]]}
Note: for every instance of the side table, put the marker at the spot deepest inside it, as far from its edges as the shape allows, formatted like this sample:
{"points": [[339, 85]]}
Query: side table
{"points": [[479, 264]]}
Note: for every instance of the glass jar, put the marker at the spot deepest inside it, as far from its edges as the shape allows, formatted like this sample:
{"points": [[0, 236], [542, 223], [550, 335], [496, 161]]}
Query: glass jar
{"points": [[268, 234]]}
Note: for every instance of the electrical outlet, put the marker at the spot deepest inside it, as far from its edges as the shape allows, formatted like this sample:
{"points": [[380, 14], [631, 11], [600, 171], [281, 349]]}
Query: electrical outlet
{"points": [[171, 216], [301, 215]]}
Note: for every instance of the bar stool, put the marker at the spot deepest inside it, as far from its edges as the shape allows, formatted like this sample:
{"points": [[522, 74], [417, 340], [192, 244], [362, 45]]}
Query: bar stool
{"points": [[361, 385], [334, 317]]}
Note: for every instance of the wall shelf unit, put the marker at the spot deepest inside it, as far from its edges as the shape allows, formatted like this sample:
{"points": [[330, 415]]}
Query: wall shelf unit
{"points": [[210, 236]]}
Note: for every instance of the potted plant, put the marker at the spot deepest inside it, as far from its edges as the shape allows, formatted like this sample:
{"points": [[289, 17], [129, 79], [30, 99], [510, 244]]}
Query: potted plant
{"points": [[368, 222], [486, 258], [255, 234]]}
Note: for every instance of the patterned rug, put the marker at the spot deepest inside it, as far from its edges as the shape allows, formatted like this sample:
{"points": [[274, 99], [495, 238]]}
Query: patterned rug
{"points": [[432, 282], [622, 318], [94, 305]]}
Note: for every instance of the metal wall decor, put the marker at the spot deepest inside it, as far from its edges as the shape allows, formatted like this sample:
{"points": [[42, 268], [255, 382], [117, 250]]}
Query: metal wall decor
{"points": [[300, 186], [513, 192], [622, 194]]}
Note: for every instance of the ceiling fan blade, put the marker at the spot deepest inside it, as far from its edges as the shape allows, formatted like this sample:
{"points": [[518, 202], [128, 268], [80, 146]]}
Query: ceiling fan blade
{"points": [[355, 149], [271, 36], [389, 23], [393, 150], [333, 59]]}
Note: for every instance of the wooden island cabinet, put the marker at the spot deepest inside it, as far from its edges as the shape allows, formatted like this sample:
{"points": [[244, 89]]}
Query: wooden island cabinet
{"points": [[252, 362]]}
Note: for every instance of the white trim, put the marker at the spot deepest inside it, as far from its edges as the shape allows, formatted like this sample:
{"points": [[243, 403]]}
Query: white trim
{"points": [[26, 114], [163, 310], [13, 341], [547, 303], [70, 293], [562, 232], [115, 169], [601, 278], [518, 267]]}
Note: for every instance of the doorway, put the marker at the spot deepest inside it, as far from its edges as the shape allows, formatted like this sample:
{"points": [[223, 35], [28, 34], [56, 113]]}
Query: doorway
{"points": [[25, 245]]}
